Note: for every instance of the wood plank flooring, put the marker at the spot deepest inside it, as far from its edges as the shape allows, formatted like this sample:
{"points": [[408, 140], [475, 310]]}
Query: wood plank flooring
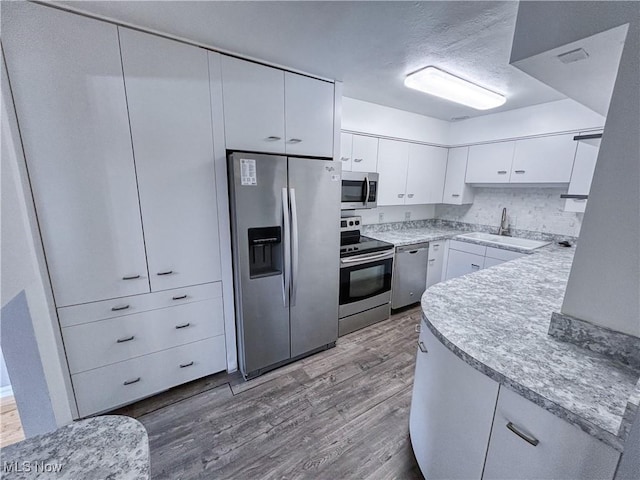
{"points": [[340, 414], [11, 427]]}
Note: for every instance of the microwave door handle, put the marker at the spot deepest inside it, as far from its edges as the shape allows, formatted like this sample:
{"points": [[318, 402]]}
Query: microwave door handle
{"points": [[286, 276], [367, 190]]}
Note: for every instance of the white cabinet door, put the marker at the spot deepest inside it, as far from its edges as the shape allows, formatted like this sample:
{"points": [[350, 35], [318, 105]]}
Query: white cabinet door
{"points": [[491, 262], [461, 263], [253, 98], [582, 174], [346, 146], [435, 262], [66, 75], [451, 412], [425, 174], [308, 116], [543, 160], [393, 158], [167, 86], [490, 163], [456, 191], [562, 451], [365, 153]]}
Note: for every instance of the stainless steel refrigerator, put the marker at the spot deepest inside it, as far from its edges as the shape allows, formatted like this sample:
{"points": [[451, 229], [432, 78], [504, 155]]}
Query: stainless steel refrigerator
{"points": [[285, 215]]}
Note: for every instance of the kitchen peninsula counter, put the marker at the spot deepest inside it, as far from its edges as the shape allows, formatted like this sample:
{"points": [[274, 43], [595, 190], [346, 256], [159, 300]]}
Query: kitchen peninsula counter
{"points": [[497, 321]]}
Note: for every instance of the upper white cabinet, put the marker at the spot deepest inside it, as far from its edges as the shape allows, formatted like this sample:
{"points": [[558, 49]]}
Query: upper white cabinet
{"points": [[253, 98], [425, 174], [268, 110], [67, 84], [543, 159], [358, 153], [456, 191], [308, 116], [167, 86], [346, 147], [582, 174], [490, 163], [393, 160]]}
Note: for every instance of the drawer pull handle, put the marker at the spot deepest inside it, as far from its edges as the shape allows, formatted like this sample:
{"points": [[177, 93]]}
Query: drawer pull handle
{"points": [[418, 328], [167, 272], [410, 195], [400, 195], [455, 194], [131, 277], [502, 172], [121, 307], [473, 265], [527, 438], [344, 159], [273, 138], [519, 171], [184, 325], [357, 160], [432, 260], [185, 365], [130, 382], [180, 297], [422, 347], [295, 140], [128, 339]]}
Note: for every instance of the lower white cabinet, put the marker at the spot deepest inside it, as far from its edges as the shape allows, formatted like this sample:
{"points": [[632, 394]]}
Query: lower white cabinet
{"points": [[464, 258], [451, 412], [108, 387], [435, 262], [527, 441]]}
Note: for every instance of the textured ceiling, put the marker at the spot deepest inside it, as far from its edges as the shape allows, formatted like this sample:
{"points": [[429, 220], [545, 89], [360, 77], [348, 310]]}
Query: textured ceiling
{"points": [[370, 46]]}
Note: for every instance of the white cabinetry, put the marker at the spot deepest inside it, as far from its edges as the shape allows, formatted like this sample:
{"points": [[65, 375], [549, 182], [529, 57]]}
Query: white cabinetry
{"points": [[435, 262], [268, 110], [490, 163], [393, 160], [464, 258], [71, 106], [582, 174], [359, 153], [456, 191], [346, 148], [451, 412], [543, 159], [425, 174], [561, 450], [167, 86]]}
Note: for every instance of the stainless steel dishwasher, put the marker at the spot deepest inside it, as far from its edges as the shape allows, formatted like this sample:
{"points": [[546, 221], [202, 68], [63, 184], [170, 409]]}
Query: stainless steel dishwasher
{"points": [[409, 274]]}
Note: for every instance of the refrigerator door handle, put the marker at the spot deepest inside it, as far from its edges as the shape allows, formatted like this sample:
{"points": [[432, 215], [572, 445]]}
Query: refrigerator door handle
{"points": [[367, 191], [286, 277], [294, 247]]}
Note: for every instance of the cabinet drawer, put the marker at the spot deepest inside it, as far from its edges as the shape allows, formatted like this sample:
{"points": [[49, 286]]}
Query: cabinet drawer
{"points": [[502, 254], [467, 247], [96, 344], [109, 387], [118, 307]]}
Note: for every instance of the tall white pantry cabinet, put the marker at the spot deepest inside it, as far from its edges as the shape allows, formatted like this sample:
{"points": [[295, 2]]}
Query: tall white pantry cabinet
{"points": [[117, 132]]}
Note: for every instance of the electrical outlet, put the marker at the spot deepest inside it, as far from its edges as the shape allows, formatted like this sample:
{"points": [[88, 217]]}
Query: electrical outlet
{"points": [[381, 217], [407, 216]]}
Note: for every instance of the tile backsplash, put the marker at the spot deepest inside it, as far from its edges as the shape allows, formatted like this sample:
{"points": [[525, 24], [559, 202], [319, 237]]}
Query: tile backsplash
{"points": [[531, 208]]}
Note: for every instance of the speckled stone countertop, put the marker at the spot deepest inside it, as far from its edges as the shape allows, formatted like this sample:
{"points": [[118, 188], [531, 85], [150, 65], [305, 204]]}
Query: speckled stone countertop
{"points": [[497, 321], [106, 447], [409, 236]]}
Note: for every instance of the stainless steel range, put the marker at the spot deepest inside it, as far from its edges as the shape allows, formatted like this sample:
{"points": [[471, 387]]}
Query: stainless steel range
{"points": [[366, 266]]}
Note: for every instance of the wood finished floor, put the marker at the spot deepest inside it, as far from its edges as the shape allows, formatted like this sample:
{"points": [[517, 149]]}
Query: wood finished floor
{"points": [[11, 427], [340, 414]]}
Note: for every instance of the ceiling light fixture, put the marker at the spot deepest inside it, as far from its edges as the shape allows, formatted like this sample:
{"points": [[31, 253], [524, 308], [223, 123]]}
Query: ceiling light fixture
{"points": [[437, 82]]}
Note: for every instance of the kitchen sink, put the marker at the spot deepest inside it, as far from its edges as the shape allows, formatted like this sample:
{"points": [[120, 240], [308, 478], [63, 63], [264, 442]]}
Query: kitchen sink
{"points": [[520, 243]]}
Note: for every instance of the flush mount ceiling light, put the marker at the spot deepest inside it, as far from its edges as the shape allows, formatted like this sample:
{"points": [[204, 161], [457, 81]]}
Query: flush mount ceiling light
{"points": [[437, 82]]}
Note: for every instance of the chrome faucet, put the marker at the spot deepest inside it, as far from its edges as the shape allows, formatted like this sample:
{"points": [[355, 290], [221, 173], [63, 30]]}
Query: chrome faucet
{"points": [[504, 223]]}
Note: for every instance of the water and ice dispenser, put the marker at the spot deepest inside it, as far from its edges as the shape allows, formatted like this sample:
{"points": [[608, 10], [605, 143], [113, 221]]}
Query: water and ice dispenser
{"points": [[265, 252]]}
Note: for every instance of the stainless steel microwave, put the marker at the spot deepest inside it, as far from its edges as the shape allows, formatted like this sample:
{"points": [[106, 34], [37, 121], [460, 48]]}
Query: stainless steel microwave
{"points": [[359, 190]]}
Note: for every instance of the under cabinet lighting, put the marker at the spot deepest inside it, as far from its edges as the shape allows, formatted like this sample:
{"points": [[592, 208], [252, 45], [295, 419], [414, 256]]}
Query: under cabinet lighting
{"points": [[437, 82]]}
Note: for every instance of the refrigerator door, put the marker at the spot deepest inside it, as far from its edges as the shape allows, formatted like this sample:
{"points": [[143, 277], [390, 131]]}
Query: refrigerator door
{"points": [[314, 189], [257, 185]]}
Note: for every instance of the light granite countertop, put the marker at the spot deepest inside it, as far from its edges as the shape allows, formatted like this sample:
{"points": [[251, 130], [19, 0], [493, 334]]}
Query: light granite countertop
{"points": [[105, 447], [497, 321], [409, 236]]}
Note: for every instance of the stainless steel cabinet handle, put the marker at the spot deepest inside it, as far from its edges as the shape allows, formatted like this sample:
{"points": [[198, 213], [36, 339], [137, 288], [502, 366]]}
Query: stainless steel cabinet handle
{"points": [[422, 347], [128, 339], [121, 307], [295, 140], [180, 297], [418, 328], [413, 251], [129, 382], [184, 325], [185, 365], [432, 260], [502, 172], [473, 265], [131, 277], [272, 138], [455, 194], [286, 278], [410, 195], [344, 159], [357, 160], [168, 272], [294, 247], [436, 246], [400, 195], [519, 171], [527, 438]]}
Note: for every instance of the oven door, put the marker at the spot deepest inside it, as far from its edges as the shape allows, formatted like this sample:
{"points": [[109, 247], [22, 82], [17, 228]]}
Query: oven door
{"points": [[359, 190], [365, 282]]}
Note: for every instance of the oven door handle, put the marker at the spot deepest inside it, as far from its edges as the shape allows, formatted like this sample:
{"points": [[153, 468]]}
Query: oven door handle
{"points": [[365, 258], [367, 191]]}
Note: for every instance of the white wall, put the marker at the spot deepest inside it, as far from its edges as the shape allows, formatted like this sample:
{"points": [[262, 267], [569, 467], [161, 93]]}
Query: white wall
{"points": [[535, 209], [365, 117], [605, 277], [559, 116]]}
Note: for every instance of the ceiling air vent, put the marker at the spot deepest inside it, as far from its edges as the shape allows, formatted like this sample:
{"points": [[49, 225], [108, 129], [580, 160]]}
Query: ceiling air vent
{"points": [[573, 56]]}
